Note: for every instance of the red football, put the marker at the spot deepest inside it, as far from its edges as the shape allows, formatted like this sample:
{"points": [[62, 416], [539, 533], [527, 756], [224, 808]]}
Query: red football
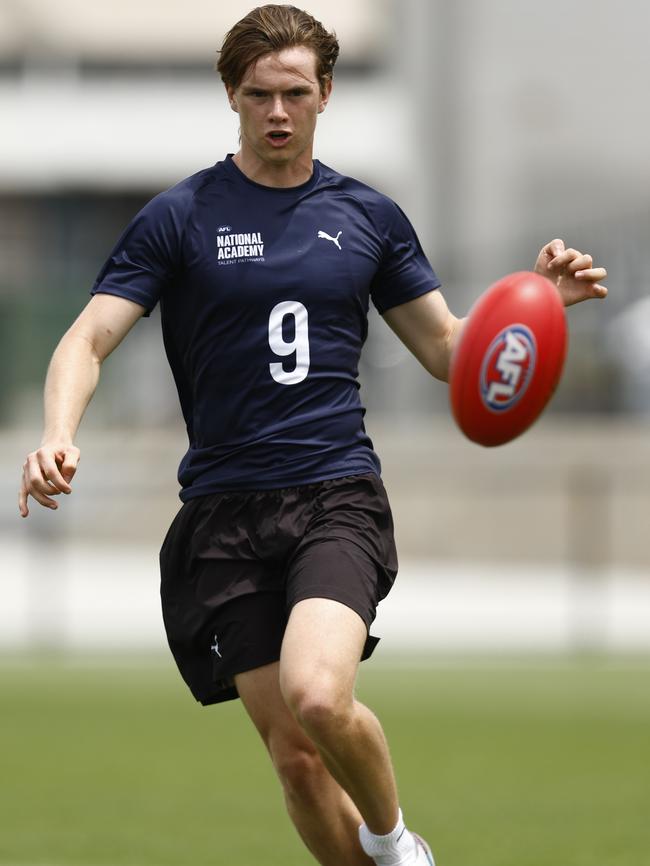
{"points": [[509, 358]]}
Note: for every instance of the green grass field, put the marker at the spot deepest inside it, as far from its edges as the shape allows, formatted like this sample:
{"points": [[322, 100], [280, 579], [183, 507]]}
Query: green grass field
{"points": [[498, 766]]}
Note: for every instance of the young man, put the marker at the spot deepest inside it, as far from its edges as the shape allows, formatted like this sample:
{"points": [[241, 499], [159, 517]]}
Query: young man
{"points": [[264, 266]]}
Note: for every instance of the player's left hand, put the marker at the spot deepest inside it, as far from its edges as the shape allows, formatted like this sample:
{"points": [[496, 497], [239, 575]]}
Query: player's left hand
{"points": [[572, 272]]}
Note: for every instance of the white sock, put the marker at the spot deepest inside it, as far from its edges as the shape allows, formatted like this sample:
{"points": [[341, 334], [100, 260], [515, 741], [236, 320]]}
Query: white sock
{"points": [[393, 849]]}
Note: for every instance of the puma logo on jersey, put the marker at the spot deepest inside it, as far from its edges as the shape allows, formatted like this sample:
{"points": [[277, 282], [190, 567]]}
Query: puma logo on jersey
{"points": [[327, 237]]}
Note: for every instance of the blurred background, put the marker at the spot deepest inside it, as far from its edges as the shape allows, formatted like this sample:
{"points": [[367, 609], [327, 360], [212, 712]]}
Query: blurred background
{"points": [[497, 125]]}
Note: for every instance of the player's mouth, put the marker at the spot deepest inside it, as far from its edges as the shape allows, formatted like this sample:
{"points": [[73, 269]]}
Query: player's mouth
{"points": [[278, 137]]}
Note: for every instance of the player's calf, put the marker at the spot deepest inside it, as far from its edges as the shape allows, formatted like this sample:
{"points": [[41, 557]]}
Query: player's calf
{"points": [[301, 772]]}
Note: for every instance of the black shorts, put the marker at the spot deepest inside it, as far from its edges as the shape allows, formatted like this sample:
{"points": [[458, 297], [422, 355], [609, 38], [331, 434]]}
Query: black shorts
{"points": [[234, 564]]}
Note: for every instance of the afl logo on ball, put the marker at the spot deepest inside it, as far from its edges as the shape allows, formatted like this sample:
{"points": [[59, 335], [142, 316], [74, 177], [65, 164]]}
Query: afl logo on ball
{"points": [[508, 367]]}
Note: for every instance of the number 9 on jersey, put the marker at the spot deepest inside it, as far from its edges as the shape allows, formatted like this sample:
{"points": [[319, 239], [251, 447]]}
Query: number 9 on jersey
{"points": [[298, 346]]}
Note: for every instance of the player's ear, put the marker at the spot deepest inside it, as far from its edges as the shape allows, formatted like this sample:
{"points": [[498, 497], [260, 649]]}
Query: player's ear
{"points": [[232, 99], [325, 94]]}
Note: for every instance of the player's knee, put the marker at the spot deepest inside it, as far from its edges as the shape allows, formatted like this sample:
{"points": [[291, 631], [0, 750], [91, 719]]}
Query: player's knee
{"points": [[319, 707]]}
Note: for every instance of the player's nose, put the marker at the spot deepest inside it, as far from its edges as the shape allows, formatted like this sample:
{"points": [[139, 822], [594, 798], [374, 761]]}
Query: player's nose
{"points": [[278, 111]]}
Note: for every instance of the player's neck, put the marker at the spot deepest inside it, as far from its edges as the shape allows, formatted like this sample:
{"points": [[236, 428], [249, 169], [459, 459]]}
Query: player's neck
{"points": [[294, 173]]}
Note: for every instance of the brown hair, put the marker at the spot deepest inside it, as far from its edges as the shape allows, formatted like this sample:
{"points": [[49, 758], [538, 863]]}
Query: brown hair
{"points": [[272, 28]]}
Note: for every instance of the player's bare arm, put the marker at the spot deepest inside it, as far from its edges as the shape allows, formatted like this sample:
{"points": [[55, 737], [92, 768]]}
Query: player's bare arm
{"points": [[428, 329], [71, 380], [572, 272]]}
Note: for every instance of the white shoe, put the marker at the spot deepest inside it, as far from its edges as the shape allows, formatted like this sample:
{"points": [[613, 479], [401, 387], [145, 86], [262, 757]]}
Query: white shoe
{"points": [[423, 855]]}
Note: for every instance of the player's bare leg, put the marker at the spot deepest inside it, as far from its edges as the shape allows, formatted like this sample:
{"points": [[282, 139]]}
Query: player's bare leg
{"points": [[320, 656], [324, 815]]}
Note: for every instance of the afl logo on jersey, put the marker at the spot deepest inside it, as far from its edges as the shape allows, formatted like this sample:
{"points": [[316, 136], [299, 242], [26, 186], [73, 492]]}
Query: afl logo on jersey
{"points": [[508, 367]]}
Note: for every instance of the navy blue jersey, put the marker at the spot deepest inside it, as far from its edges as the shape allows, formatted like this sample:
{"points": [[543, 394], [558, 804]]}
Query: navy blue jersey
{"points": [[264, 296]]}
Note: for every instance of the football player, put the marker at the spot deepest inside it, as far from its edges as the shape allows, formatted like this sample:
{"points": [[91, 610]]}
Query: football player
{"points": [[264, 266]]}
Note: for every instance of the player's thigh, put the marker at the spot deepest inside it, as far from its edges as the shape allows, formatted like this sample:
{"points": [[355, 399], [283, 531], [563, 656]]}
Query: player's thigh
{"points": [[321, 650]]}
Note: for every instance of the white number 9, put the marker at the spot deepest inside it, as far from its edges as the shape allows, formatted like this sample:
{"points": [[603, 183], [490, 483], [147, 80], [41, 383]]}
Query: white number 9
{"points": [[282, 347]]}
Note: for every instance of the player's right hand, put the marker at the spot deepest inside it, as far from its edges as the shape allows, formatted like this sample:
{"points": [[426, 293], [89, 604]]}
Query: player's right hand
{"points": [[47, 472]]}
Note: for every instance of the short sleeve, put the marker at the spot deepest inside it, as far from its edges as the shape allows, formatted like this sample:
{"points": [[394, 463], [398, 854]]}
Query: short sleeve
{"points": [[404, 272], [147, 256]]}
